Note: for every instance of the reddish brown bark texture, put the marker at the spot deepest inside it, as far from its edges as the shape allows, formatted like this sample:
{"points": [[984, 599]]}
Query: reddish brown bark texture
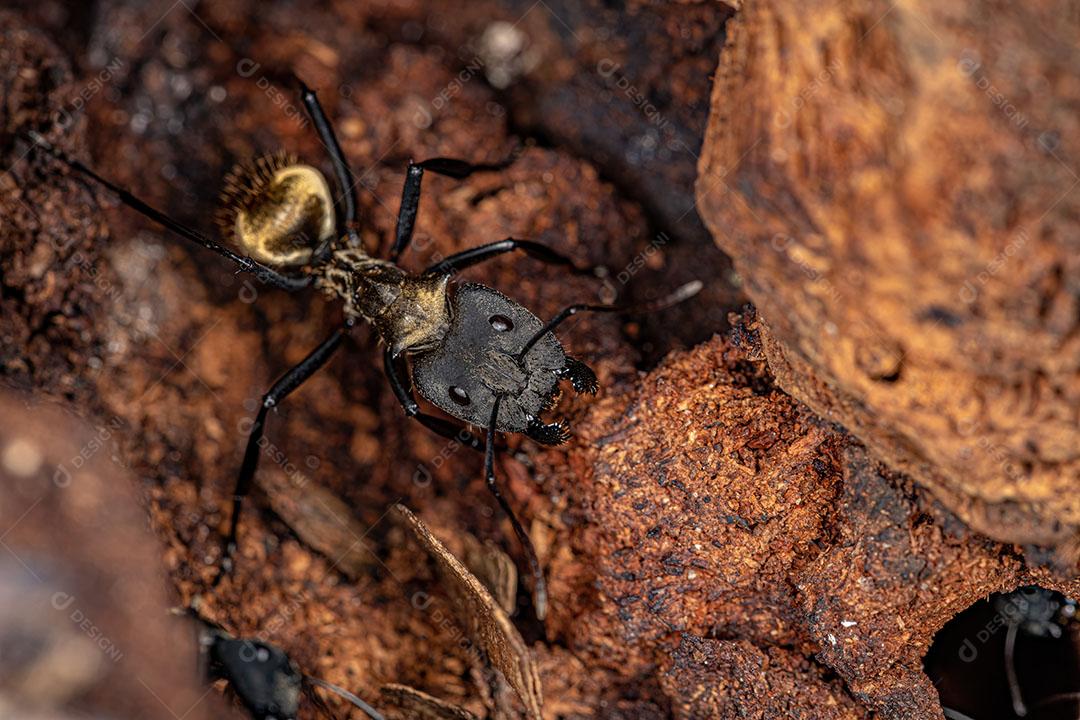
{"points": [[896, 185], [714, 548], [83, 601]]}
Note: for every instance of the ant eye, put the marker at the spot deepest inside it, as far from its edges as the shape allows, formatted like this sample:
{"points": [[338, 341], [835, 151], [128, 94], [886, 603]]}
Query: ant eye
{"points": [[501, 323], [459, 396]]}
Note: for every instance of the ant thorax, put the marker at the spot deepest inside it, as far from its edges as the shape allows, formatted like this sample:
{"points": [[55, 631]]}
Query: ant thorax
{"points": [[410, 312]]}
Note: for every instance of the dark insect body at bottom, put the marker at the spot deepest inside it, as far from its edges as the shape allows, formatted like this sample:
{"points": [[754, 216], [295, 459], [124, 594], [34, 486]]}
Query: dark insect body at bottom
{"points": [[267, 682]]}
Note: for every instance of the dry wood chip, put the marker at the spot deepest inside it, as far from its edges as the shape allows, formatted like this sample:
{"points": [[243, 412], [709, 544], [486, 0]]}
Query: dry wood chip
{"points": [[488, 624], [402, 701], [321, 520], [494, 568]]}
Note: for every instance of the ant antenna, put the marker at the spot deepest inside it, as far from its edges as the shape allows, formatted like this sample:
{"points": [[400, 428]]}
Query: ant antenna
{"points": [[245, 264], [684, 292], [341, 168], [1054, 699], [955, 714], [1019, 707], [540, 584], [372, 712]]}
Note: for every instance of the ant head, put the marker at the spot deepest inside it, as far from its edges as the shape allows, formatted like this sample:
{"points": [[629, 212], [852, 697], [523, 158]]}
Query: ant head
{"points": [[410, 312], [480, 358], [265, 679], [277, 211]]}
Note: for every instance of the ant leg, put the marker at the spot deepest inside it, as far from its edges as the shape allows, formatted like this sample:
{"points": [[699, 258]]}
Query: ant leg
{"points": [[410, 193], [245, 264], [447, 429], [539, 584], [472, 256], [341, 167], [278, 392]]}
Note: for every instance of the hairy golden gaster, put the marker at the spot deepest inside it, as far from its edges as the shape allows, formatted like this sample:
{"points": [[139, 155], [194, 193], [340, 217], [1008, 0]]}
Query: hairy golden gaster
{"points": [[276, 210]]}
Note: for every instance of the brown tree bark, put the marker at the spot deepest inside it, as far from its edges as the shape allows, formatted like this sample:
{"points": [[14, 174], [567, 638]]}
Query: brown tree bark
{"points": [[714, 546], [896, 183]]}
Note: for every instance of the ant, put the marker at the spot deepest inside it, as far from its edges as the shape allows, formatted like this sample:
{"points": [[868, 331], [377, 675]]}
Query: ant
{"points": [[475, 353], [265, 679]]}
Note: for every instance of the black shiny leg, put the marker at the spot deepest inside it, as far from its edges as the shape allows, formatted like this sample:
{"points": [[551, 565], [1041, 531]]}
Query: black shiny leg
{"points": [[410, 193], [288, 382]]}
